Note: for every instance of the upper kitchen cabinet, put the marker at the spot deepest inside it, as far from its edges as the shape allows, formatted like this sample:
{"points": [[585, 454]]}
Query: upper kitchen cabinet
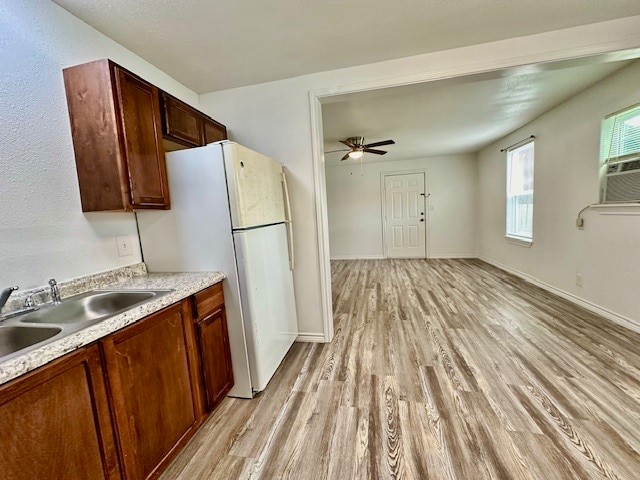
{"points": [[213, 131], [117, 137], [181, 123], [184, 126]]}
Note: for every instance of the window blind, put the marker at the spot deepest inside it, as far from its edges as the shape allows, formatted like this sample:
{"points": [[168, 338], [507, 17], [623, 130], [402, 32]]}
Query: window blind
{"points": [[621, 135]]}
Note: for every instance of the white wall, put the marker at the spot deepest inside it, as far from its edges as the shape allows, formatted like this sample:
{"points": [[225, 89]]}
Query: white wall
{"points": [[274, 117], [607, 251], [43, 232], [354, 205]]}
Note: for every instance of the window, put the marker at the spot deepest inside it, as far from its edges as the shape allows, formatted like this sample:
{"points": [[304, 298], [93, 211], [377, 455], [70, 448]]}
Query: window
{"points": [[520, 193], [621, 135]]}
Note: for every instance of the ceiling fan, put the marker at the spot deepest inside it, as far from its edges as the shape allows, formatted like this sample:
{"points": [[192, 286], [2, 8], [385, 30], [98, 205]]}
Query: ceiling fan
{"points": [[357, 147]]}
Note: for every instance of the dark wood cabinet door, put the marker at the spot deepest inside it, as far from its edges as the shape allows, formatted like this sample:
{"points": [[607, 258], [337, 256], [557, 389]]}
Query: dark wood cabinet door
{"points": [[152, 387], [139, 109], [55, 422], [213, 131], [181, 123], [215, 357]]}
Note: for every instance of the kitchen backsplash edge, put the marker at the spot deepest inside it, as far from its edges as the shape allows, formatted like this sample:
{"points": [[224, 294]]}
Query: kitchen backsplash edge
{"points": [[77, 285]]}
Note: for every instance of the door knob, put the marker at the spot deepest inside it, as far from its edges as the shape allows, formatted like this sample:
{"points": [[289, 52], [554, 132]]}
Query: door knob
{"points": [[422, 219]]}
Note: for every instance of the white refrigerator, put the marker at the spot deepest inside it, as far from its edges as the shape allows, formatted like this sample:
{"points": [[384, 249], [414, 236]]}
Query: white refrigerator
{"points": [[230, 212]]}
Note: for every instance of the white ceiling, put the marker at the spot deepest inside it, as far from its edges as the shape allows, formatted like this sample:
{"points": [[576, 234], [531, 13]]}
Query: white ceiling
{"points": [[459, 115], [213, 45]]}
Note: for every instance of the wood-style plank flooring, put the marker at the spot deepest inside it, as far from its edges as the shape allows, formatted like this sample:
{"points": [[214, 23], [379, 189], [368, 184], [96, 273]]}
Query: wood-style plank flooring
{"points": [[439, 369]]}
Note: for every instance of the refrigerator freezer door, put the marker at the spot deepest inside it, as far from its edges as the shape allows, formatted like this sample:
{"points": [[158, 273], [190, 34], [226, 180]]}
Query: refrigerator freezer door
{"points": [[254, 182], [268, 303]]}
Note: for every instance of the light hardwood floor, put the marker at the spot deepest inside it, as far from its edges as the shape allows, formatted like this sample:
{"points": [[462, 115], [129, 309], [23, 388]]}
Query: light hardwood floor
{"points": [[439, 369]]}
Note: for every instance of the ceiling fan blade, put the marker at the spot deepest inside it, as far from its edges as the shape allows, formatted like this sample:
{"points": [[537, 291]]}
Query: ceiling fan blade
{"points": [[371, 150], [348, 144], [341, 150], [380, 144], [345, 157]]}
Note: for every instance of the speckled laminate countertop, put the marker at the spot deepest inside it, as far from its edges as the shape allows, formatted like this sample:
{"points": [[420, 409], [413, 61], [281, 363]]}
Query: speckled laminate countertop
{"points": [[183, 284]]}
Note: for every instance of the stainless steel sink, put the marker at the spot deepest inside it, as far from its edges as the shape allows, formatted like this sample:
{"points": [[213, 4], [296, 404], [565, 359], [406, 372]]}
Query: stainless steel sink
{"points": [[90, 307], [28, 331], [15, 338]]}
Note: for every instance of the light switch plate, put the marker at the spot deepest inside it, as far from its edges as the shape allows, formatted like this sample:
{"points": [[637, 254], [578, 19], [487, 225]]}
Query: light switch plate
{"points": [[125, 245]]}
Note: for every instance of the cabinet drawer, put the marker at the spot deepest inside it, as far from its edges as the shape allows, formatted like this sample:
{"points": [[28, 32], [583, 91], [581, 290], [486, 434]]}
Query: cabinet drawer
{"points": [[209, 300]]}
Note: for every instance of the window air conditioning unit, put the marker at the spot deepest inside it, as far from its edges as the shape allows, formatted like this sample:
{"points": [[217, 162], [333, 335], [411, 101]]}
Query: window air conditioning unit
{"points": [[622, 182]]}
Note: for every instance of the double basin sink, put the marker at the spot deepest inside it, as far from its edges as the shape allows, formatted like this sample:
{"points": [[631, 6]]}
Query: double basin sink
{"points": [[31, 330]]}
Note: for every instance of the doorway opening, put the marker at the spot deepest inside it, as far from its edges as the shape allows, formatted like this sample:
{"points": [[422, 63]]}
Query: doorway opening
{"points": [[447, 117]]}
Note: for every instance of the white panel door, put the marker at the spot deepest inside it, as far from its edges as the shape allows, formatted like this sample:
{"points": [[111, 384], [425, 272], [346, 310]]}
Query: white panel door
{"points": [[404, 223], [254, 182]]}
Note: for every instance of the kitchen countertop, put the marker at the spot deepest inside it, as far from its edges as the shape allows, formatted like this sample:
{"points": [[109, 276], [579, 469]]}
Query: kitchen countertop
{"points": [[183, 284]]}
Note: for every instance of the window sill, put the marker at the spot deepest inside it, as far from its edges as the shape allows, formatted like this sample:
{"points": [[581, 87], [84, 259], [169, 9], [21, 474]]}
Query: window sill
{"points": [[615, 205], [521, 242], [632, 209]]}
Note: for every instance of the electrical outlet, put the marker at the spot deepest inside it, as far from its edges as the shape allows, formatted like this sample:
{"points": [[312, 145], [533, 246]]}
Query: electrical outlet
{"points": [[125, 245], [579, 279]]}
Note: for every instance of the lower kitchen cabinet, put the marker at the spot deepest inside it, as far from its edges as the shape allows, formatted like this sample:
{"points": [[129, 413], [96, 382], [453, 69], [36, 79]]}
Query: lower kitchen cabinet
{"points": [[55, 423], [213, 351], [153, 389], [215, 357], [124, 406]]}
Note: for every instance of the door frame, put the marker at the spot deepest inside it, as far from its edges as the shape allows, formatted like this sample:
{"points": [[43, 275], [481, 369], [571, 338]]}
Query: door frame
{"points": [[383, 196]]}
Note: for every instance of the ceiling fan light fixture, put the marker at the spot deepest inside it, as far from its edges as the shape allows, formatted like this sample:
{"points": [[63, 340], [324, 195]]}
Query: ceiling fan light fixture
{"points": [[357, 148]]}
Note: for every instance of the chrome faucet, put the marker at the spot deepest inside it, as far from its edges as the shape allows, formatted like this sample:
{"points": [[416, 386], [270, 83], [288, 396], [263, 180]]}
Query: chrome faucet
{"points": [[55, 293], [29, 302], [5, 294]]}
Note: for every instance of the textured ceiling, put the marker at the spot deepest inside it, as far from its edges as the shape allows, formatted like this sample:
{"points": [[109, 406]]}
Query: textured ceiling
{"points": [[460, 115], [213, 45]]}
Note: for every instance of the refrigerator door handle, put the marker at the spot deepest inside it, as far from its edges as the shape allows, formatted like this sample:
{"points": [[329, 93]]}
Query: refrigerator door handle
{"points": [[287, 206]]}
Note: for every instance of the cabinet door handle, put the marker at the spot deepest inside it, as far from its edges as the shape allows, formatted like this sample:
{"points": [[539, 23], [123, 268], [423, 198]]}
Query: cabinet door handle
{"points": [[210, 318]]}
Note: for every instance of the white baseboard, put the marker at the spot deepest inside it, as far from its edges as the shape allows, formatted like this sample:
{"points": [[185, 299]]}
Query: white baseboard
{"points": [[357, 257], [602, 311], [310, 337], [381, 257]]}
